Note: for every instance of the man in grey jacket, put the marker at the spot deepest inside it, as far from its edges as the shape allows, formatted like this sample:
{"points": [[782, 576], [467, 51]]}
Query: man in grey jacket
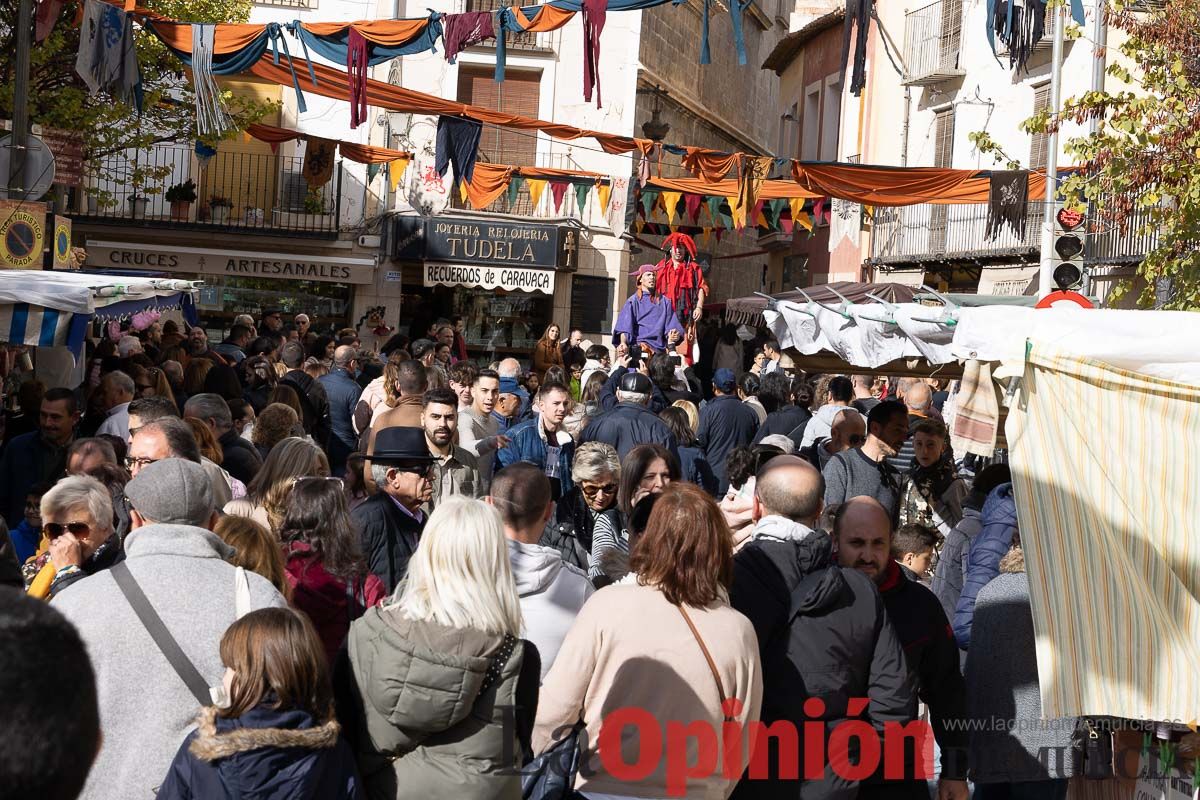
{"points": [[146, 709], [551, 591]]}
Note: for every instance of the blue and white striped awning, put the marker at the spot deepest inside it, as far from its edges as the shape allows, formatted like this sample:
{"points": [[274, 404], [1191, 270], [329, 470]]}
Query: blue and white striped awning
{"points": [[35, 325], [53, 309]]}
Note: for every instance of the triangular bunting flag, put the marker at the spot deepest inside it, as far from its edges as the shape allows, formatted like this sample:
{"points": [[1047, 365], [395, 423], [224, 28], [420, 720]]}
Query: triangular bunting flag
{"points": [[760, 219], [649, 201], [739, 219], [581, 194], [536, 187], [396, 169], [692, 203], [639, 223], [819, 209], [804, 221], [514, 189], [774, 209], [786, 224], [670, 203], [714, 208], [604, 194], [674, 228], [558, 189], [719, 232], [707, 235], [372, 171], [797, 206], [462, 190]]}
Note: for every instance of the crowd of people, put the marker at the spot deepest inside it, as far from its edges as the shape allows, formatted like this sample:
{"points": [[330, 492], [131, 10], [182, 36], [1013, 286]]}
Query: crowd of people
{"points": [[284, 566]]}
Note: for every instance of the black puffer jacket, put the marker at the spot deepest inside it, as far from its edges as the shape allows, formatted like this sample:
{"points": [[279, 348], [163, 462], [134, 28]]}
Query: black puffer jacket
{"points": [[823, 633]]}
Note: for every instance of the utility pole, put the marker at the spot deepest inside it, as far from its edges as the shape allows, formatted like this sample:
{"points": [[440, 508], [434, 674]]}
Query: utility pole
{"points": [[1099, 67], [19, 143], [1046, 271]]}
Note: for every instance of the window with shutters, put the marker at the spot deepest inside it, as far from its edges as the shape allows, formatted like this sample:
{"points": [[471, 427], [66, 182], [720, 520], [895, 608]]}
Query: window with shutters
{"points": [[519, 93], [943, 156], [1039, 143]]}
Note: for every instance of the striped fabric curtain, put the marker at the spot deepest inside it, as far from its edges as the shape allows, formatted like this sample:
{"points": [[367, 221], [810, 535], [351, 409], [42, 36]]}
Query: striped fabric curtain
{"points": [[1107, 480]]}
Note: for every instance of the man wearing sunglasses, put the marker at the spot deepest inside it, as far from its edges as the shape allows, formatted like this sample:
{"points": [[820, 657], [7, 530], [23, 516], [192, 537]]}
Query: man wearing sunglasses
{"points": [[864, 471], [391, 520]]}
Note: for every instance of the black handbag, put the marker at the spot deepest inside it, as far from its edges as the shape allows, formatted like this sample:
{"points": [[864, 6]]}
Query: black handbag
{"points": [[551, 774], [1094, 748]]}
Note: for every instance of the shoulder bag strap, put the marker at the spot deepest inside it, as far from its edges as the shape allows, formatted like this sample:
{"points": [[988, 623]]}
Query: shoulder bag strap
{"points": [[162, 637], [712, 665]]}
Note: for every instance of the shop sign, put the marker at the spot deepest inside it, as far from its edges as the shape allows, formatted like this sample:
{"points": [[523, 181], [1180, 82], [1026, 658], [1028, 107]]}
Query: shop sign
{"points": [[510, 279], [234, 263], [67, 147], [22, 234], [471, 241]]}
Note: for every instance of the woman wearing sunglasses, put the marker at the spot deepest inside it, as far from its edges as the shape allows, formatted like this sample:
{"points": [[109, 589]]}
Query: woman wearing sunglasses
{"points": [[77, 536], [596, 473]]}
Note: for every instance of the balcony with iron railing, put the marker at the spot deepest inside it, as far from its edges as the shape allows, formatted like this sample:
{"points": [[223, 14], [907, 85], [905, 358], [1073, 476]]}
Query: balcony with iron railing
{"points": [[935, 232], [517, 41], [235, 192], [931, 232], [933, 43]]}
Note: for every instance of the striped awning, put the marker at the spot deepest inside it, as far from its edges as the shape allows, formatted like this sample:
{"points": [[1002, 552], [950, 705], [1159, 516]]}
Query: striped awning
{"points": [[37, 326]]}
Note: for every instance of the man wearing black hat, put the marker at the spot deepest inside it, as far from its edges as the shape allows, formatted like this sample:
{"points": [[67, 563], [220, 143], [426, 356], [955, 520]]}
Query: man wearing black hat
{"points": [[390, 521], [630, 422]]}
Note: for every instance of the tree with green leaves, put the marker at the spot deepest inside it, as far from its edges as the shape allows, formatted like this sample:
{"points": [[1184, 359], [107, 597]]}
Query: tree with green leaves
{"points": [[58, 97], [1141, 174]]}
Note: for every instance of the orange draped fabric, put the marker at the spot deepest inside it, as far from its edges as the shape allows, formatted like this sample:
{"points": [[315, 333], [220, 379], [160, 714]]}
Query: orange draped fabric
{"points": [[332, 83], [710, 165], [370, 154], [489, 181], [386, 32], [547, 19], [271, 134], [906, 186], [227, 38]]}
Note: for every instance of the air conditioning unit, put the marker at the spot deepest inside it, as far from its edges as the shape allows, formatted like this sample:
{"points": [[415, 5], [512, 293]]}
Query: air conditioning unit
{"points": [[293, 189]]}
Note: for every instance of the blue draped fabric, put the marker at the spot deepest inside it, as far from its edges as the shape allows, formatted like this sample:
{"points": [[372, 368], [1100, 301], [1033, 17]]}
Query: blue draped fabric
{"points": [[334, 47]]}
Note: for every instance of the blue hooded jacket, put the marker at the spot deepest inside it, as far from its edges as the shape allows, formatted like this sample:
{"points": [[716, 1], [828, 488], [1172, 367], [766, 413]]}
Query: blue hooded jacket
{"points": [[983, 562], [263, 755]]}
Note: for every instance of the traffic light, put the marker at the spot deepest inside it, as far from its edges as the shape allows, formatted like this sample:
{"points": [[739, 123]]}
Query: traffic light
{"points": [[1070, 233]]}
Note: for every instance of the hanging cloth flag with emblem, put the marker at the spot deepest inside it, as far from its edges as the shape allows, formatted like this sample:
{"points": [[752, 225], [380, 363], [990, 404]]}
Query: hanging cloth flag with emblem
{"points": [[318, 161], [1008, 202], [107, 59]]}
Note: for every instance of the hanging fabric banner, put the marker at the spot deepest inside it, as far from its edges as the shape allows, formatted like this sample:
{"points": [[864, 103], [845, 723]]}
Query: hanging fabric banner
{"points": [[614, 198], [845, 222], [107, 59], [318, 161], [357, 67]]}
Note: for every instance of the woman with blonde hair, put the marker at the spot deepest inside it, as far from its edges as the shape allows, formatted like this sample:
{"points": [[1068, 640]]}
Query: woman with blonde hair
{"points": [[687, 653], [257, 550], [210, 448], [267, 494], [436, 670], [693, 413]]}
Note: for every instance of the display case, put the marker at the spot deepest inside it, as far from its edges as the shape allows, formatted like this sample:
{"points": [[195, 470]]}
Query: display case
{"points": [[502, 322]]}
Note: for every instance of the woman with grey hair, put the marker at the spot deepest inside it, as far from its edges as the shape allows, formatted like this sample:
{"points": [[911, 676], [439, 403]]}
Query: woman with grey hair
{"points": [[596, 473], [77, 521]]}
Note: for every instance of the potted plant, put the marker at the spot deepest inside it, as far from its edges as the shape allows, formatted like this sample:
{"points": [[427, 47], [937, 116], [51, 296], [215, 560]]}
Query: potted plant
{"points": [[218, 207], [181, 196], [137, 204]]}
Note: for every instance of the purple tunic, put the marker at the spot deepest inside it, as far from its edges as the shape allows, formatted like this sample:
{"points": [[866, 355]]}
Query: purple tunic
{"points": [[647, 319]]}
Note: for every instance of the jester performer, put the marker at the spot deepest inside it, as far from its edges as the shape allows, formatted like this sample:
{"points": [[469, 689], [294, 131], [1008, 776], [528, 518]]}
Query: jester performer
{"points": [[647, 320], [682, 282]]}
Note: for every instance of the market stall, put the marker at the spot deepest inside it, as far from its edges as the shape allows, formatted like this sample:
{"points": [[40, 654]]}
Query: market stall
{"points": [[53, 309], [1101, 425]]}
